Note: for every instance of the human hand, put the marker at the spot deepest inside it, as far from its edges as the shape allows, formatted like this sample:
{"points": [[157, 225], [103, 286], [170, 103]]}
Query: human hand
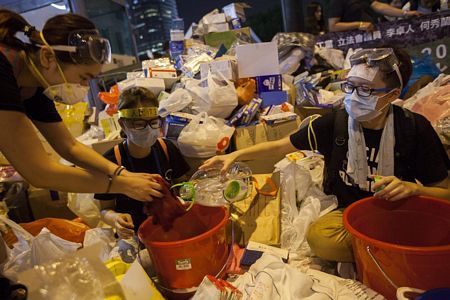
{"points": [[391, 188], [220, 161], [141, 187], [411, 13], [124, 225], [366, 26]]}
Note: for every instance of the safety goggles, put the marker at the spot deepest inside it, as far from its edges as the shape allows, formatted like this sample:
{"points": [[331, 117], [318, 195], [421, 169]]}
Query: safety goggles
{"points": [[383, 58], [140, 124], [362, 91], [86, 46]]}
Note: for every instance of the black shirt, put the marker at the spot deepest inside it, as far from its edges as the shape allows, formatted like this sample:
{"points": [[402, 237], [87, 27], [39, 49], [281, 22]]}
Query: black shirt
{"points": [[38, 107], [352, 10], [430, 165], [155, 163]]}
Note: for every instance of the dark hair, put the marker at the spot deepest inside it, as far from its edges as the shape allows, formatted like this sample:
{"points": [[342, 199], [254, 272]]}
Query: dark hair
{"points": [[391, 78], [312, 25], [56, 31], [136, 97]]}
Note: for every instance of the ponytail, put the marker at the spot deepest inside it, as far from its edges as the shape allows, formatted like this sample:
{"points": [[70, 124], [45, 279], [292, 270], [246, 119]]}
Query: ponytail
{"points": [[10, 24]]}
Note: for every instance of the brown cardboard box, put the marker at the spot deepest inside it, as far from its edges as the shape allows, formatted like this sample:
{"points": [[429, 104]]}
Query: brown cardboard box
{"points": [[46, 204], [245, 137], [103, 146], [306, 111]]}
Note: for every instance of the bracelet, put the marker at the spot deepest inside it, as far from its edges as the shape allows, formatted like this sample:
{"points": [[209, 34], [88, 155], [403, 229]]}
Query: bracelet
{"points": [[120, 171], [110, 180], [360, 25]]}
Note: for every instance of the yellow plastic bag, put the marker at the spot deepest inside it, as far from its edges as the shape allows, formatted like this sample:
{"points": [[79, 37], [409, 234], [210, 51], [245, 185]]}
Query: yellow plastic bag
{"points": [[73, 116]]}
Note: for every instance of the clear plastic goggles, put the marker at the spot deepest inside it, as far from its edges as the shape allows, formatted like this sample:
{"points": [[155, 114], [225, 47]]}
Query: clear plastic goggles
{"points": [[87, 46], [383, 58]]}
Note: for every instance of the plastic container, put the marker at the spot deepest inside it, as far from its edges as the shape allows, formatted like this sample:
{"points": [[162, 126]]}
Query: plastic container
{"points": [[195, 246], [401, 243]]}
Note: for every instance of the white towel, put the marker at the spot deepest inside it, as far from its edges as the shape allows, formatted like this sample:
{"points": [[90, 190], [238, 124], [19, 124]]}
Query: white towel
{"points": [[357, 167]]}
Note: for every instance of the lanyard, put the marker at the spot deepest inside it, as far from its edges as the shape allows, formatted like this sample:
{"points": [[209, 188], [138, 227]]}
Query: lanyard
{"points": [[130, 159]]}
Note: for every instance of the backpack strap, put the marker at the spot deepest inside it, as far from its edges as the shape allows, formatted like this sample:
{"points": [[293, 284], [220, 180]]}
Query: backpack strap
{"points": [[338, 152], [161, 141], [163, 145], [405, 141], [117, 154]]}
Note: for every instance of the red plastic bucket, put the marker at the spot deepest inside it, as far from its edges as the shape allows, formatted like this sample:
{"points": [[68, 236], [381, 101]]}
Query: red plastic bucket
{"points": [[195, 246], [401, 243]]}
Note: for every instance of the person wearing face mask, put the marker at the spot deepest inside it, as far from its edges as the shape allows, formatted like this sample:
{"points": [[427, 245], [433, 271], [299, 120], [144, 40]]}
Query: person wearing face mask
{"points": [[370, 137], [142, 151], [55, 65]]}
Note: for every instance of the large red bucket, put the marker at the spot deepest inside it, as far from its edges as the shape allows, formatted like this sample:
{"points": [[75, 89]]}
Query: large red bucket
{"points": [[195, 246], [401, 243]]}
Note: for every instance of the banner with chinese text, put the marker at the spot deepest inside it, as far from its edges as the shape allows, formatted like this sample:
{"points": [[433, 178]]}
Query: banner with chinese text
{"points": [[424, 34]]}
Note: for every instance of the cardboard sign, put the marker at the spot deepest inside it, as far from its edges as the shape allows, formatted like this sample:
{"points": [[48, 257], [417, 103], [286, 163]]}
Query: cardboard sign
{"points": [[257, 59]]}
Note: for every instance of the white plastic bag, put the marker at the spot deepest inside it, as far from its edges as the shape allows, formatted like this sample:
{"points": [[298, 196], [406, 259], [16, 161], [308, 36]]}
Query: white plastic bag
{"points": [[30, 251], [83, 206], [303, 198], [176, 102], [102, 236], [204, 136], [218, 98]]}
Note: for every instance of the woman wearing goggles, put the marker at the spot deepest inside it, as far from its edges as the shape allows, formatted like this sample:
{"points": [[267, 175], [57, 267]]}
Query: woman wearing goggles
{"points": [[56, 64]]}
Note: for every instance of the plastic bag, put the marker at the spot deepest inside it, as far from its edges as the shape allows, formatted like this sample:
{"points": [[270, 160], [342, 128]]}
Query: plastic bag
{"points": [[175, 102], [84, 207], [16, 200], [303, 199], [422, 66], [102, 236], [218, 98], [30, 251], [204, 136]]}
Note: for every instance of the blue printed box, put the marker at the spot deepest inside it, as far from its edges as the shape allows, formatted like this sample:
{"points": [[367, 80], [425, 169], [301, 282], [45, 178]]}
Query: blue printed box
{"points": [[268, 83], [273, 98]]}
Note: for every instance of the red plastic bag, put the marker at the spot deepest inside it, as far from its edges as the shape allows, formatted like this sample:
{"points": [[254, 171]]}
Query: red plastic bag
{"points": [[165, 210], [111, 97]]}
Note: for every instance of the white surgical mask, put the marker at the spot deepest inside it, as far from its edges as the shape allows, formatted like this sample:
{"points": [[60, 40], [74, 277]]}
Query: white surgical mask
{"points": [[67, 93], [144, 138], [362, 109]]}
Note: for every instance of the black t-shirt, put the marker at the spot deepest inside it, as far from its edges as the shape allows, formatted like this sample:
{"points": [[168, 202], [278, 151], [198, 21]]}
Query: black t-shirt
{"points": [[430, 164], [155, 163], [352, 10], [38, 107]]}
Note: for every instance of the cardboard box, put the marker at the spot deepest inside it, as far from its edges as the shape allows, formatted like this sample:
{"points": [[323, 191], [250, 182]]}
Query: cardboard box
{"points": [[245, 137], [215, 39], [273, 98], [257, 59], [217, 27], [103, 146], [227, 67], [306, 111], [49, 204], [235, 11], [268, 83], [214, 18]]}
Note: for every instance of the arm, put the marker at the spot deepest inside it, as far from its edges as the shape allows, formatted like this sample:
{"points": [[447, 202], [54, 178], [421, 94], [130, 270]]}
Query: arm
{"points": [[394, 189], [387, 10], [335, 24], [257, 152], [23, 149], [70, 149]]}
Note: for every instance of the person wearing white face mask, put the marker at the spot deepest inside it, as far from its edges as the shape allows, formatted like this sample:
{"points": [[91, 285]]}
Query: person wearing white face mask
{"points": [[142, 151], [55, 64], [370, 137]]}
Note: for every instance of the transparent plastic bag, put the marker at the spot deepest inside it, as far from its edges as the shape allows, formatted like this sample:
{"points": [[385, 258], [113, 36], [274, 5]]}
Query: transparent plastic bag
{"points": [[175, 102], [84, 207]]}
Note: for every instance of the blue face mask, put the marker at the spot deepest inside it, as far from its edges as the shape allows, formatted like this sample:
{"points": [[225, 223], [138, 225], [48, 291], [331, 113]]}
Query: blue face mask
{"points": [[361, 109]]}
